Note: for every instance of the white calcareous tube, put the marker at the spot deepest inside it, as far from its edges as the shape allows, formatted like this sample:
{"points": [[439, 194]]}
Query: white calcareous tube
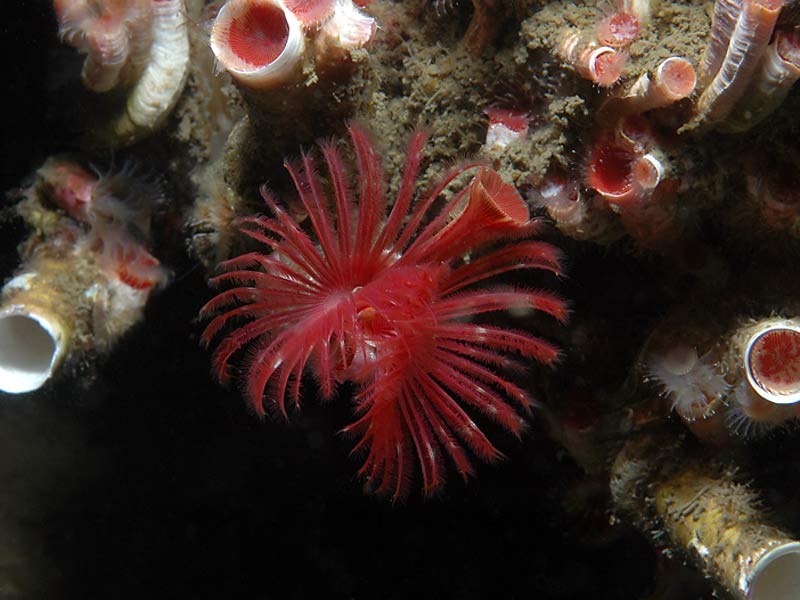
{"points": [[33, 342], [776, 575], [717, 522], [155, 94], [37, 318]]}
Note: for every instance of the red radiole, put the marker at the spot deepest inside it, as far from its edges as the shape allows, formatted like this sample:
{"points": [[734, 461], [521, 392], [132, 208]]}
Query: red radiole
{"points": [[388, 302]]}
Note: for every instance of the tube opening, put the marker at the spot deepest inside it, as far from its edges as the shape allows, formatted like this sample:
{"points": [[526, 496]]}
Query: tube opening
{"points": [[772, 363], [28, 352], [776, 575]]}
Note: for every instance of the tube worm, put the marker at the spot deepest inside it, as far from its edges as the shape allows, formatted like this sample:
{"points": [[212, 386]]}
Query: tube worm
{"points": [[574, 213], [156, 92], [610, 168], [599, 64], [348, 28], [777, 72], [260, 44], [115, 36], [141, 46], [68, 301], [714, 520], [751, 25], [83, 282], [772, 360], [692, 382], [681, 356], [723, 23], [39, 318], [619, 27], [673, 80], [762, 364], [632, 173], [763, 359], [265, 44]]}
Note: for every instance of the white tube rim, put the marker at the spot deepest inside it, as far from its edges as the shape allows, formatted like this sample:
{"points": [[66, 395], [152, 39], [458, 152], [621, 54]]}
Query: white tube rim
{"points": [[758, 388], [276, 71], [755, 583], [19, 373]]}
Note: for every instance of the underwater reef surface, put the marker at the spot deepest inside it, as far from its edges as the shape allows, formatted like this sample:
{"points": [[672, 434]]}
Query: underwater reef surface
{"points": [[132, 472]]}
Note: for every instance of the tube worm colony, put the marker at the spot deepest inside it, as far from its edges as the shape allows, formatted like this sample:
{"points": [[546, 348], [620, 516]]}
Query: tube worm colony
{"points": [[656, 132]]}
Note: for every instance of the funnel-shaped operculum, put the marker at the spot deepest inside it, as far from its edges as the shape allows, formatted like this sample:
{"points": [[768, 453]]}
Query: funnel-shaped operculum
{"points": [[648, 171], [772, 361], [633, 175], [748, 41], [600, 64], [494, 210], [673, 80], [562, 199], [259, 42], [777, 72]]}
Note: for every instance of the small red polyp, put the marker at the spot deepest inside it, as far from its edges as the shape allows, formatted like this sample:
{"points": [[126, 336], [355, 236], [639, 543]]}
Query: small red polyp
{"points": [[618, 29], [605, 66]]}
